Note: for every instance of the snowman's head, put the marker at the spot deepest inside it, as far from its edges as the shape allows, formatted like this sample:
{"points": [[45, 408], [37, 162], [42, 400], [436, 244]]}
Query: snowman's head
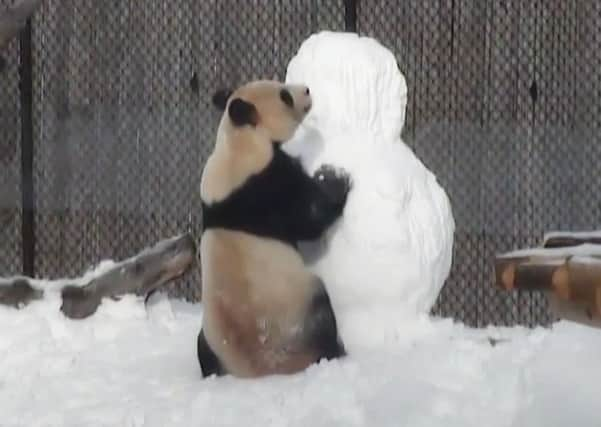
{"points": [[355, 82]]}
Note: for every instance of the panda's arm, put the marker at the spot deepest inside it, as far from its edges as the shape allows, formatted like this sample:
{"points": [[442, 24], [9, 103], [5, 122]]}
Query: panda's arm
{"points": [[319, 202]]}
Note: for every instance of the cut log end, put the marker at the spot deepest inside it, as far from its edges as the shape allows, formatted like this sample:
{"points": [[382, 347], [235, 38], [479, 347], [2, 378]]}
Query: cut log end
{"points": [[572, 311], [560, 283], [508, 277]]}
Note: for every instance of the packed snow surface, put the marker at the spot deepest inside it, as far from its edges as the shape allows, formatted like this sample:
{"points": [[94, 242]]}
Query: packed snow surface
{"points": [[573, 234], [584, 249], [132, 366], [391, 252]]}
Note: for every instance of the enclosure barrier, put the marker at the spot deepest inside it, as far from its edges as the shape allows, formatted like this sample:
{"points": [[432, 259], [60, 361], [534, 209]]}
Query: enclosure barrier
{"points": [[503, 108]]}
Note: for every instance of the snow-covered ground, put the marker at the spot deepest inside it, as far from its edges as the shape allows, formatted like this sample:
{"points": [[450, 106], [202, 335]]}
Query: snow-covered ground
{"points": [[128, 366]]}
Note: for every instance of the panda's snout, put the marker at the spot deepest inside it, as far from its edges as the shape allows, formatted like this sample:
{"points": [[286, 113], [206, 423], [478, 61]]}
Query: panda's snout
{"points": [[308, 101], [302, 98]]}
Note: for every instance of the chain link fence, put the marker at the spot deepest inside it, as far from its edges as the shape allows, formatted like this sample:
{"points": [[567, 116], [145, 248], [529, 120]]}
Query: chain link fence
{"points": [[123, 119], [10, 160], [503, 107]]}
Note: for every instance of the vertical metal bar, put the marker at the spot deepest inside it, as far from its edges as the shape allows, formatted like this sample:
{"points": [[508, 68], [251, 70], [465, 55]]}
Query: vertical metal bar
{"points": [[350, 15], [27, 190]]}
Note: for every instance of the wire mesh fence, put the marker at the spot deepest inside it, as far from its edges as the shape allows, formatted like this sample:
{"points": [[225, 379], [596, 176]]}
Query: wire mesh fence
{"points": [[503, 108], [10, 160], [123, 118]]}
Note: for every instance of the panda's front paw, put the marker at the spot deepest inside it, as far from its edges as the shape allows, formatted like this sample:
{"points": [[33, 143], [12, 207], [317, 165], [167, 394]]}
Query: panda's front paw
{"points": [[336, 182]]}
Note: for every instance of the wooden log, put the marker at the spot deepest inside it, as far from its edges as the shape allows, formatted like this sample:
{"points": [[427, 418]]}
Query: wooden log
{"points": [[530, 268], [567, 269], [18, 292], [576, 279], [580, 281], [143, 273], [526, 273], [572, 311]]}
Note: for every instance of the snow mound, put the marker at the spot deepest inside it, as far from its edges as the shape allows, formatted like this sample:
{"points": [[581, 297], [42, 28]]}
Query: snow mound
{"points": [[134, 366], [391, 252]]}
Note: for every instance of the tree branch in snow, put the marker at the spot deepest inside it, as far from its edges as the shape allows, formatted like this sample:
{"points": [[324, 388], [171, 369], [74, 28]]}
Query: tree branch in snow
{"points": [[142, 274], [18, 292]]}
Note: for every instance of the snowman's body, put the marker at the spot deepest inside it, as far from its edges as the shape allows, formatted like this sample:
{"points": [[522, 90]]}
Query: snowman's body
{"points": [[391, 252]]}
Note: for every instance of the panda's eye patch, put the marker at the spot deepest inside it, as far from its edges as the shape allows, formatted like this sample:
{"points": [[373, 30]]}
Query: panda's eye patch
{"points": [[286, 98]]}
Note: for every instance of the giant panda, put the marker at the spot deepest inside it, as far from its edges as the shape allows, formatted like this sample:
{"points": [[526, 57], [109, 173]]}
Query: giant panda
{"points": [[264, 312]]}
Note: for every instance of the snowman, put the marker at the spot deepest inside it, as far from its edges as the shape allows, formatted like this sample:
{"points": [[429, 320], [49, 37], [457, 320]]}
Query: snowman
{"points": [[385, 261]]}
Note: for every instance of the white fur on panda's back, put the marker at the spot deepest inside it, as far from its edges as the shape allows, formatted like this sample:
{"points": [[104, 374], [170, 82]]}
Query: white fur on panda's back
{"points": [[231, 163], [261, 281]]}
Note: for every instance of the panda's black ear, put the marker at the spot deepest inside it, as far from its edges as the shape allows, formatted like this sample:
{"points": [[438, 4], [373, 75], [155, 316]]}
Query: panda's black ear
{"points": [[220, 98], [242, 113]]}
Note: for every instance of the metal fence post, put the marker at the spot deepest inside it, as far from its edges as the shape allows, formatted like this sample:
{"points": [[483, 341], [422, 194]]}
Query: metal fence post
{"points": [[350, 15], [26, 94]]}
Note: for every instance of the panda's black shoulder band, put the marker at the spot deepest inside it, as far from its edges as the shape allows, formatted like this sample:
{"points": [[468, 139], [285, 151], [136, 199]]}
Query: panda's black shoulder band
{"points": [[261, 206], [281, 202]]}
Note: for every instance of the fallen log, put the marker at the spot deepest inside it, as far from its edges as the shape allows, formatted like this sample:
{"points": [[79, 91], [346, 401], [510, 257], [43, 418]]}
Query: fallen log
{"points": [[141, 274], [18, 292]]}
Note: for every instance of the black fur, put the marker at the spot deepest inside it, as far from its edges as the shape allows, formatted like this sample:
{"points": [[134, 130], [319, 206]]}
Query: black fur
{"points": [[242, 113], [334, 182], [209, 363], [286, 98], [321, 329], [220, 98], [281, 202]]}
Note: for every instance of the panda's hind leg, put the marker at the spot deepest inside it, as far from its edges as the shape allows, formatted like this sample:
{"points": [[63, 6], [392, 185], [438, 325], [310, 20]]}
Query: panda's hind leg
{"points": [[209, 363], [321, 326]]}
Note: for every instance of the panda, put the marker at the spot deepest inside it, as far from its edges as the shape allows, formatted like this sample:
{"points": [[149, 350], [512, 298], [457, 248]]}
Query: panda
{"points": [[264, 312]]}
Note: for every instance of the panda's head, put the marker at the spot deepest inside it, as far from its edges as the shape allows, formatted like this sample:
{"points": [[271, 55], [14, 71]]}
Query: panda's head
{"points": [[269, 107]]}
